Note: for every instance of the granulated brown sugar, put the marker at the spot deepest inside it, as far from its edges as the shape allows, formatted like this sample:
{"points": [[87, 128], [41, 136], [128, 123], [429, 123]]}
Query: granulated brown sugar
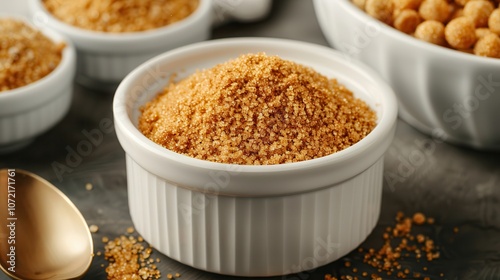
{"points": [[26, 55], [93, 228], [129, 258], [401, 246], [256, 109], [121, 15]]}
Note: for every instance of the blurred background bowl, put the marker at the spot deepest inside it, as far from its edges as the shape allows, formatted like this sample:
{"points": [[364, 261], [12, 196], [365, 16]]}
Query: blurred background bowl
{"points": [[29, 111], [253, 220], [105, 58], [442, 92]]}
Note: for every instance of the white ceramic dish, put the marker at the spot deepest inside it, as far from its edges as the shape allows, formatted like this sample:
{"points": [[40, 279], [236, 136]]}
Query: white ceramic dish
{"points": [[240, 10], [28, 111], [253, 220], [108, 58], [441, 91]]}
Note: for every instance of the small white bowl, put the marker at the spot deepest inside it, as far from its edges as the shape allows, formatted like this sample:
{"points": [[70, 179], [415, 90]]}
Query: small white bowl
{"points": [[28, 111], [442, 92], [106, 58], [240, 10], [253, 220]]}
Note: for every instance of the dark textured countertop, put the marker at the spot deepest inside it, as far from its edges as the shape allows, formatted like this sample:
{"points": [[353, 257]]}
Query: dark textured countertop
{"points": [[457, 186]]}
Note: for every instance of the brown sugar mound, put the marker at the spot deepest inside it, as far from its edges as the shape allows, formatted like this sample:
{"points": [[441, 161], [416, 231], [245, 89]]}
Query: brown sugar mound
{"points": [[256, 110], [120, 15], [26, 55]]}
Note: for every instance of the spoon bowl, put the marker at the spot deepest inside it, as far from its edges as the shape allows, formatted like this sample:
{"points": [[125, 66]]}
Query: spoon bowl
{"points": [[42, 233]]}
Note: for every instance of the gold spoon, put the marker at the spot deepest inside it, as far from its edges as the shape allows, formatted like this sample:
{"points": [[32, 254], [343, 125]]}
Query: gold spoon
{"points": [[42, 233]]}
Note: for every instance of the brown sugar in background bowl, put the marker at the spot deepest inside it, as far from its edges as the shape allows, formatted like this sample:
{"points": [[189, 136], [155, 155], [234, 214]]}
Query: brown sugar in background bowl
{"points": [[105, 58], [38, 78], [26, 54], [256, 109], [253, 220], [120, 16]]}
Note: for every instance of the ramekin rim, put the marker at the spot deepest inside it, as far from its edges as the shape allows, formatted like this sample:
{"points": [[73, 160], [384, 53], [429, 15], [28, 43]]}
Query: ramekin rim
{"points": [[68, 58], [433, 49], [384, 125], [203, 7]]}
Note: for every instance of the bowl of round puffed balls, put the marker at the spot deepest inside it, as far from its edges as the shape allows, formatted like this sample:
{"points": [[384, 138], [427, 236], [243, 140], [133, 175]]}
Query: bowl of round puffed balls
{"points": [[442, 58]]}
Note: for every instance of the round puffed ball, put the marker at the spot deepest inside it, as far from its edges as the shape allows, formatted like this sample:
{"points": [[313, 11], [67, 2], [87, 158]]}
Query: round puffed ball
{"points": [[431, 31], [460, 33], [457, 12], [359, 3], [479, 12], [461, 2], [481, 32], [438, 10], [380, 9], [494, 21], [488, 46], [400, 5], [407, 21]]}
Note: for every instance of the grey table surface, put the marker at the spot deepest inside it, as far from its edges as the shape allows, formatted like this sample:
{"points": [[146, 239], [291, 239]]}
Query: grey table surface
{"points": [[457, 186]]}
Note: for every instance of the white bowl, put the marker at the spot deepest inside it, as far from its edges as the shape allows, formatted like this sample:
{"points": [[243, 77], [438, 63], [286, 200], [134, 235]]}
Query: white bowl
{"points": [[240, 10], [108, 57], [253, 220], [28, 111], [442, 92]]}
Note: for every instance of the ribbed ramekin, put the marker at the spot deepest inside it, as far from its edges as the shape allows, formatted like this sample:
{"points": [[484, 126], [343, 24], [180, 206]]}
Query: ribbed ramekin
{"points": [[442, 92], [253, 220], [109, 57], [28, 111]]}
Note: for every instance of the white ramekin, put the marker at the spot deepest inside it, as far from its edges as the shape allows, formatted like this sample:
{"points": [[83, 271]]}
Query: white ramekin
{"points": [[28, 111], [253, 220], [240, 10], [108, 57], [442, 92]]}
